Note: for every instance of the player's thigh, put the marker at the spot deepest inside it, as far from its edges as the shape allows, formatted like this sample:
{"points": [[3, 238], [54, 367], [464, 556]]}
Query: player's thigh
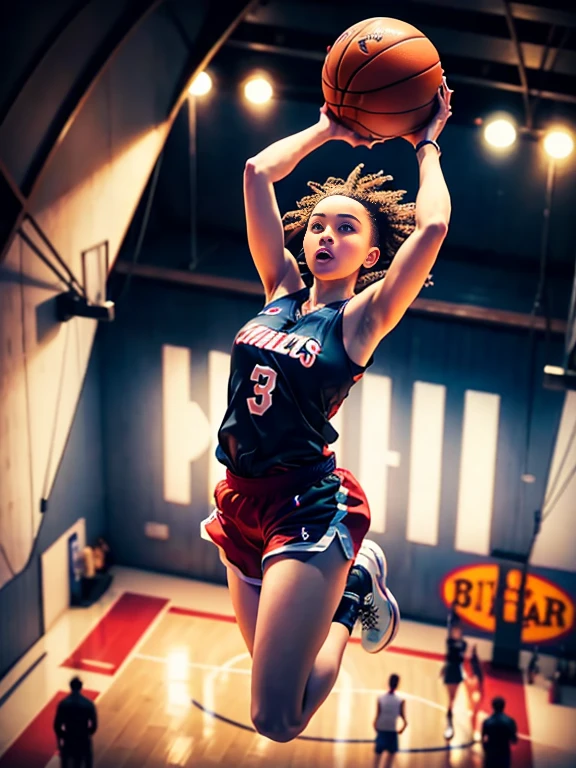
{"points": [[298, 600], [245, 599]]}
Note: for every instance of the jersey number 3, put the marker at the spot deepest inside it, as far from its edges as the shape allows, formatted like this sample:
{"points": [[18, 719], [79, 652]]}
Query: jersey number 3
{"points": [[263, 391]]}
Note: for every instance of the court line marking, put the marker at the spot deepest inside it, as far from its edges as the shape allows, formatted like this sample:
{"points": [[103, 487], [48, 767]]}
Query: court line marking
{"points": [[431, 656], [327, 739], [96, 663], [179, 611], [194, 664], [228, 667]]}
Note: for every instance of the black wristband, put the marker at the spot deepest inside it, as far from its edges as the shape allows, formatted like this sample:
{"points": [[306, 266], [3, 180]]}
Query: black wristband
{"points": [[428, 141]]}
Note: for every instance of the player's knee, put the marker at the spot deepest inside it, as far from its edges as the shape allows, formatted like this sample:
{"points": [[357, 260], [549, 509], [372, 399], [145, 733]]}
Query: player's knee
{"points": [[276, 725]]}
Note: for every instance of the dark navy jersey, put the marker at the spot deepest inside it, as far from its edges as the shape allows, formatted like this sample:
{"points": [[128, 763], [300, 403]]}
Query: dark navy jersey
{"points": [[455, 650], [289, 375]]}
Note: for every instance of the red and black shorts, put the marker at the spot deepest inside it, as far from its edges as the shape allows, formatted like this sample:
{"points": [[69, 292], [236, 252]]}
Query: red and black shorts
{"points": [[302, 510]]}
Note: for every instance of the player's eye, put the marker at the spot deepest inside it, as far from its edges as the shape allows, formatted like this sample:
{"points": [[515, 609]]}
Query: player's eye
{"points": [[350, 227], [315, 224]]}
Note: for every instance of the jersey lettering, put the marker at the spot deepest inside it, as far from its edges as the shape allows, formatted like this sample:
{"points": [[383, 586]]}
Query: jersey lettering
{"points": [[252, 334], [275, 341], [263, 340], [264, 391], [310, 352], [287, 344], [303, 348]]}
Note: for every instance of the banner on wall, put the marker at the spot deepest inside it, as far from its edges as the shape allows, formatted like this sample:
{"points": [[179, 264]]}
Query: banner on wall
{"points": [[548, 609]]}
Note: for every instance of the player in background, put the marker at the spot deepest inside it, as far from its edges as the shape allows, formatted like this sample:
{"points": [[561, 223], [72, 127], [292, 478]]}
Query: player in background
{"points": [[390, 707], [453, 672]]}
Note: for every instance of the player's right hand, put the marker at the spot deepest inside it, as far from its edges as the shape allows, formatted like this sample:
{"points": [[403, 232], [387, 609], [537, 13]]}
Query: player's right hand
{"points": [[337, 130]]}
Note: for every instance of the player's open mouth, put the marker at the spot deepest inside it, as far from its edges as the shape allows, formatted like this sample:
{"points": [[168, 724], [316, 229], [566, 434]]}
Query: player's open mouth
{"points": [[323, 254]]}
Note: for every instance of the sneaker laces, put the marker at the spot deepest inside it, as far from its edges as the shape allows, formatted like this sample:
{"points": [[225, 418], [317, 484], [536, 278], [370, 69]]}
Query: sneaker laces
{"points": [[369, 616]]}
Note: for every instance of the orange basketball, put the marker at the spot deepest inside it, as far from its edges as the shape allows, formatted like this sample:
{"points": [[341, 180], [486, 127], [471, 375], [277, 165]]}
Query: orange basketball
{"points": [[380, 78]]}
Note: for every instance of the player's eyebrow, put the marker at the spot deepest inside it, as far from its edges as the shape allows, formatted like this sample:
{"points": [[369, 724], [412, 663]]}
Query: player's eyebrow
{"points": [[341, 215]]}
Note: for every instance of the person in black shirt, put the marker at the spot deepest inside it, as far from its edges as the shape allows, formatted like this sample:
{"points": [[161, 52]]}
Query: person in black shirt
{"points": [[74, 725], [498, 733], [452, 672]]}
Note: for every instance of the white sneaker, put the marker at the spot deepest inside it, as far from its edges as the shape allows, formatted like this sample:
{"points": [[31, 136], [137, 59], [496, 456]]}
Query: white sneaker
{"points": [[380, 615], [449, 733]]}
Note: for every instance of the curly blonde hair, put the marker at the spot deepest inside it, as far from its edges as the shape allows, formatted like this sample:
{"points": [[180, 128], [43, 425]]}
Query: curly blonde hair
{"points": [[394, 221]]}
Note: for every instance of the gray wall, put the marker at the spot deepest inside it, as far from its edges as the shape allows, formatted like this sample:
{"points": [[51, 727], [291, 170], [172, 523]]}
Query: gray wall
{"points": [[79, 491]]}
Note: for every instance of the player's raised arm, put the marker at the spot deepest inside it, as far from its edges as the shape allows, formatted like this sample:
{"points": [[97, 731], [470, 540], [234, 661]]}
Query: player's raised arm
{"points": [[275, 264], [388, 299]]}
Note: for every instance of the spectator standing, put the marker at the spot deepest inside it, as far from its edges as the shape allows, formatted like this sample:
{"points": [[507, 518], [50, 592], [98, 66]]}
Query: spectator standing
{"points": [[498, 733], [75, 724]]}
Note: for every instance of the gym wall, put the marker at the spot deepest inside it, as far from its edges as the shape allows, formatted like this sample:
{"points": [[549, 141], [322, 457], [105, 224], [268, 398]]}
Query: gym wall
{"points": [[435, 432], [87, 98], [78, 492]]}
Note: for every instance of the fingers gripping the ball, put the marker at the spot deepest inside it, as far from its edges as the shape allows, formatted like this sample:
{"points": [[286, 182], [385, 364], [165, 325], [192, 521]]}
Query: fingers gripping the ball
{"points": [[338, 130]]}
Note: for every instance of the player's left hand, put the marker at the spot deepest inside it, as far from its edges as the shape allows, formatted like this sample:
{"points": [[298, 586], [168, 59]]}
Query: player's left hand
{"points": [[438, 120], [338, 130]]}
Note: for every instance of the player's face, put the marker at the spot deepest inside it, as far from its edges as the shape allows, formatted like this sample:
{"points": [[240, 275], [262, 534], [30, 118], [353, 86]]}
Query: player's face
{"points": [[338, 239]]}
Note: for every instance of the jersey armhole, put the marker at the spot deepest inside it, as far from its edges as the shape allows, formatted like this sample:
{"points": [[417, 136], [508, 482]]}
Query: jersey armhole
{"points": [[355, 369]]}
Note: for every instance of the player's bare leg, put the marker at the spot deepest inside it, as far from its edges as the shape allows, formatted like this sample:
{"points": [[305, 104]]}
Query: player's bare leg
{"points": [[297, 647], [452, 689], [245, 598], [389, 760]]}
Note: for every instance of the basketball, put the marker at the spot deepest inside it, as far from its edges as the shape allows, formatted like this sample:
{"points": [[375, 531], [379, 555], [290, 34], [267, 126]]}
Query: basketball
{"points": [[381, 77]]}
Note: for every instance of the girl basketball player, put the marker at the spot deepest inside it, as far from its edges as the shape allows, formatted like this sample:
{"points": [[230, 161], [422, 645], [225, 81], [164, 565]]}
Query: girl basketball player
{"points": [[288, 524]]}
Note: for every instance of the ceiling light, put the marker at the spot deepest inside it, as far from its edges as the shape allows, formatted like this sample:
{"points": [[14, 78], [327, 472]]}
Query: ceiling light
{"points": [[201, 84], [258, 90], [558, 143], [500, 133]]}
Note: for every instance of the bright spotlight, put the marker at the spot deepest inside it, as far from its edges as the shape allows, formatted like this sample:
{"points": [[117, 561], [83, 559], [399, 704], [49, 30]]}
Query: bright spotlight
{"points": [[201, 84], [558, 144], [258, 90], [500, 133]]}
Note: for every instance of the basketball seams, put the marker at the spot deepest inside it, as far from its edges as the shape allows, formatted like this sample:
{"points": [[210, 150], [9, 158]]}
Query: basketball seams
{"points": [[390, 85], [379, 53], [352, 38], [378, 112], [325, 79]]}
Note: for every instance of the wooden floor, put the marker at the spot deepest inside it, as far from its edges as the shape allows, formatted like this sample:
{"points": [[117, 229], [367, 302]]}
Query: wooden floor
{"points": [[173, 690], [183, 700]]}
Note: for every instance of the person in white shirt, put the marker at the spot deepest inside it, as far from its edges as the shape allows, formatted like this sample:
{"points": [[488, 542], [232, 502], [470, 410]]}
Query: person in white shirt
{"points": [[391, 706]]}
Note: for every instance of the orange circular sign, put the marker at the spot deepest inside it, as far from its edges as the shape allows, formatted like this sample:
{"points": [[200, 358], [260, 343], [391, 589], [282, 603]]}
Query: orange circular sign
{"points": [[548, 609]]}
